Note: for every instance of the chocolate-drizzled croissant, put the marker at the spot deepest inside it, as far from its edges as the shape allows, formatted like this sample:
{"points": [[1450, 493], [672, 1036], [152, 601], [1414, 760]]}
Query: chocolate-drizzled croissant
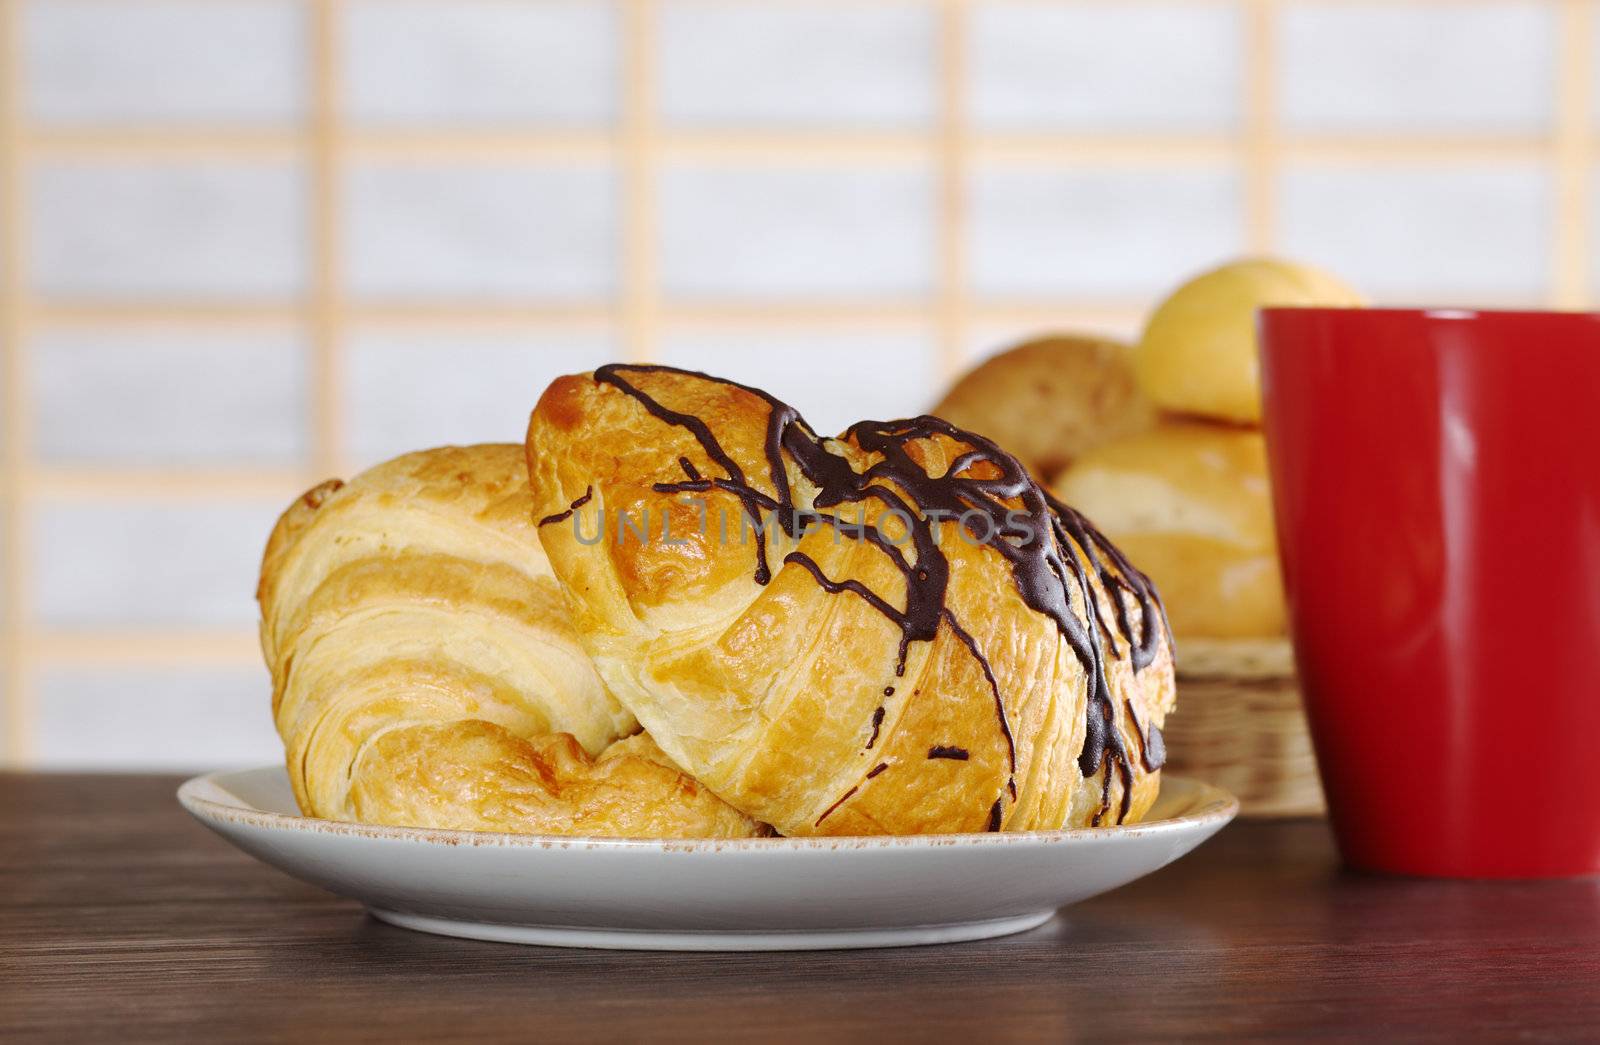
{"points": [[425, 671], [894, 632]]}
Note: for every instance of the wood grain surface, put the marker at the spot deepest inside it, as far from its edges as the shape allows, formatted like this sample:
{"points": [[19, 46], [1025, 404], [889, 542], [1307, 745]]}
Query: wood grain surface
{"points": [[121, 919]]}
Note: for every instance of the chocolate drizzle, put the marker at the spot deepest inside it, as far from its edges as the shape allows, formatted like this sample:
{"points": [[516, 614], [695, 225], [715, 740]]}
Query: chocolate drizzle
{"points": [[994, 687], [841, 801], [995, 500], [574, 506], [959, 754], [877, 724]]}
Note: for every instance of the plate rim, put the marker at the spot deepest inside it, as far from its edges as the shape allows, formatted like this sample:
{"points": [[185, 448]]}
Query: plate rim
{"points": [[1216, 808]]}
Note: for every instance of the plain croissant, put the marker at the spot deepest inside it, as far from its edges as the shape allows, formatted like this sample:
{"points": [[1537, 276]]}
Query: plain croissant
{"points": [[425, 671], [894, 632]]}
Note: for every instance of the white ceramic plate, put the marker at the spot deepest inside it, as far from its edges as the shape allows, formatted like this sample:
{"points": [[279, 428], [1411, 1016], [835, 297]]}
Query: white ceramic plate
{"points": [[753, 894]]}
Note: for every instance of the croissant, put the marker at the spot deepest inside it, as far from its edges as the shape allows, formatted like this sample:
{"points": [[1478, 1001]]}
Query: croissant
{"points": [[895, 631], [425, 671]]}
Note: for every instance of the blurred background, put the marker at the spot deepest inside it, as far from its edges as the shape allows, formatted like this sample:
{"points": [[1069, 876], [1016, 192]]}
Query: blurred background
{"points": [[249, 244]]}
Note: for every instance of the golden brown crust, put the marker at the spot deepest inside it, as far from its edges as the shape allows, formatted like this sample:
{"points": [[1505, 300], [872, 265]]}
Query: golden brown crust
{"points": [[1190, 502], [783, 696], [1051, 399], [475, 775], [425, 670]]}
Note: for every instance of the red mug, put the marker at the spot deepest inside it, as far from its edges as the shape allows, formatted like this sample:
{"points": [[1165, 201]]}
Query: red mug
{"points": [[1436, 483]]}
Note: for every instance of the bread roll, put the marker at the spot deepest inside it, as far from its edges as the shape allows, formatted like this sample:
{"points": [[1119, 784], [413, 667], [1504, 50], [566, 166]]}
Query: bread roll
{"points": [[1190, 502], [858, 667], [1198, 352], [1049, 400], [425, 671]]}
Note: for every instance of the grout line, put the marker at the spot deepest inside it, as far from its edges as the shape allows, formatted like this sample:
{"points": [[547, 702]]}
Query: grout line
{"points": [[804, 147], [148, 647], [123, 314], [1205, 3], [1570, 155], [1259, 145], [323, 306], [487, 144], [110, 481], [803, 311], [950, 144], [155, 143], [246, 314], [795, 148], [466, 145], [637, 147], [491, 314], [15, 655], [1046, 149], [1387, 149]]}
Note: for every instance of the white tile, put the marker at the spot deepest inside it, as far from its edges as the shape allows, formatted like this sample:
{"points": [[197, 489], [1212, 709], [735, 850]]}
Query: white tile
{"points": [[170, 229], [409, 389], [773, 232], [797, 64], [480, 233], [1106, 67], [834, 379], [448, 62], [138, 716], [149, 562], [1400, 68], [1408, 233], [1086, 232], [169, 396], [164, 62], [991, 338]]}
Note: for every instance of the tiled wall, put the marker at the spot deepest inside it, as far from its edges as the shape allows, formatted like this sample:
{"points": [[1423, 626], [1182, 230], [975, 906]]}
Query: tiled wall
{"points": [[246, 244]]}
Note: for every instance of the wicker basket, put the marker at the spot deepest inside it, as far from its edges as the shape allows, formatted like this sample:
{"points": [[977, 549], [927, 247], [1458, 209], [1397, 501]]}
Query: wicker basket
{"points": [[1239, 724]]}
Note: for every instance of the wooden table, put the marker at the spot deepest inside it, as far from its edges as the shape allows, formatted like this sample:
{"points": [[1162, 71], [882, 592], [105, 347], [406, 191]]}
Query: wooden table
{"points": [[122, 919]]}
